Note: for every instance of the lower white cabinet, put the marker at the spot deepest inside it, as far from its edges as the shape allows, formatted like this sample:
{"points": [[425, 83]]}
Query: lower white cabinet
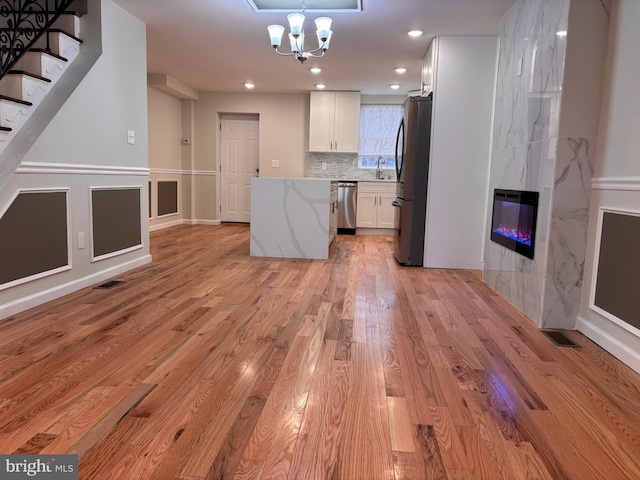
{"points": [[374, 205]]}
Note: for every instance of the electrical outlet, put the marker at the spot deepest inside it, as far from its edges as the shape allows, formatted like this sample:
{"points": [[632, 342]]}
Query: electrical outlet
{"points": [[324, 165], [275, 163], [80, 240], [131, 137]]}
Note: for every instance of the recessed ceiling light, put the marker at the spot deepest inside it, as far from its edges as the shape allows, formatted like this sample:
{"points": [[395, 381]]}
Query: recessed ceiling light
{"points": [[315, 70], [415, 33], [400, 70], [321, 86], [562, 33], [249, 85], [395, 86]]}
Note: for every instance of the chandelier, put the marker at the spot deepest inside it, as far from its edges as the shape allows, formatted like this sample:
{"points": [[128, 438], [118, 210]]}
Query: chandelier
{"points": [[296, 36]]}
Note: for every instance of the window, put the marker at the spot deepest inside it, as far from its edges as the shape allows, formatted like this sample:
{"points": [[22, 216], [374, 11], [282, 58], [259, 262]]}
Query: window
{"points": [[378, 129]]}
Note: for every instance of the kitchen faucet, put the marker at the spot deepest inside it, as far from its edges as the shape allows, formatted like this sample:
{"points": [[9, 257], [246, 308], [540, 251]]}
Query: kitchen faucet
{"points": [[378, 170]]}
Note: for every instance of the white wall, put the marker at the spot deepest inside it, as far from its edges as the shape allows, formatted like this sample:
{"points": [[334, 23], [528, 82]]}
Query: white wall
{"points": [[165, 130], [284, 120], [90, 132], [616, 183], [165, 153]]}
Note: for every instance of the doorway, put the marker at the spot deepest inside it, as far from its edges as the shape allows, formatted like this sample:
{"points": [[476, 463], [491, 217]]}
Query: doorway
{"points": [[238, 164]]}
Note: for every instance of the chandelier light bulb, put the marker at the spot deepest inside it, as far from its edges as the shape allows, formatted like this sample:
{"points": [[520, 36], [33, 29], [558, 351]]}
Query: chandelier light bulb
{"points": [[275, 32], [296, 21], [323, 24]]}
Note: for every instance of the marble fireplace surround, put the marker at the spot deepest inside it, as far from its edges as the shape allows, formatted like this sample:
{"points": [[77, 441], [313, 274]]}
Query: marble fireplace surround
{"points": [[547, 110]]}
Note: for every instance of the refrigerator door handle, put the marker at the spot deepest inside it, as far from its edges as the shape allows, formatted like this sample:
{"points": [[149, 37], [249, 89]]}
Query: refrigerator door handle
{"points": [[399, 157]]}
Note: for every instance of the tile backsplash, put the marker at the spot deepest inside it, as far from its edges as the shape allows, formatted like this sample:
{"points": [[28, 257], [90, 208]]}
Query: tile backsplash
{"points": [[339, 166]]}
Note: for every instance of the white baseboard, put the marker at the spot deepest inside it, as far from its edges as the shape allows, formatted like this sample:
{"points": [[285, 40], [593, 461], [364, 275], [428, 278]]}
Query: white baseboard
{"points": [[611, 344], [387, 232], [203, 222], [25, 303], [153, 228]]}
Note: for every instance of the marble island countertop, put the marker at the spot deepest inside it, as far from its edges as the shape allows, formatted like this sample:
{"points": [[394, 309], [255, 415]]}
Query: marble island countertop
{"points": [[290, 217]]}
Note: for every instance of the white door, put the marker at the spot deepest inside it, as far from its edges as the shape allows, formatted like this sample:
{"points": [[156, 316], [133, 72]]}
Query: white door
{"points": [[238, 164]]}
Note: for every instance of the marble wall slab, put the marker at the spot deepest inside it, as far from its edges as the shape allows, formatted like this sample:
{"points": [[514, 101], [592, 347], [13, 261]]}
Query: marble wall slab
{"points": [[532, 108]]}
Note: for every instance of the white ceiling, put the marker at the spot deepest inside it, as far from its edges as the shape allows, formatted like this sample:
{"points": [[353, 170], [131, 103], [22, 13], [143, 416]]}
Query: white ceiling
{"points": [[218, 45]]}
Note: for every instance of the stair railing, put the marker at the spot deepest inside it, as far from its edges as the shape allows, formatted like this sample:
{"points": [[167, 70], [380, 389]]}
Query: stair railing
{"points": [[24, 22]]}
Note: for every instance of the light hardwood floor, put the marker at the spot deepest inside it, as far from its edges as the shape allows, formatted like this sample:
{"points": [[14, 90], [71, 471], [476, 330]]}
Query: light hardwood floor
{"points": [[210, 364]]}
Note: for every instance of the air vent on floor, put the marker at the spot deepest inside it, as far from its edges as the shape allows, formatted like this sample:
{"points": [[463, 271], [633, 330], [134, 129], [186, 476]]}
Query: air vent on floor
{"points": [[560, 338], [110, 284]]}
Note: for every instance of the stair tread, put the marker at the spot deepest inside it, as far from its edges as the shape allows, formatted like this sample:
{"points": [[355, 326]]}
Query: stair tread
{"points": [[59, 30], [28, 74], [54, 30], [15, 100], [48, 52]]}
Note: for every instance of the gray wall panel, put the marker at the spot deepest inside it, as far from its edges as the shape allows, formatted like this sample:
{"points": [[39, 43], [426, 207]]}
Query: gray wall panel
{"points": [[618, 278], [167, 197], [116, 220], [33, 235]]}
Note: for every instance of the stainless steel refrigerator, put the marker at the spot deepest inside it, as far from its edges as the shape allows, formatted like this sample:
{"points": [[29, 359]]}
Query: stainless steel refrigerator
{"points": [[413, 145]]}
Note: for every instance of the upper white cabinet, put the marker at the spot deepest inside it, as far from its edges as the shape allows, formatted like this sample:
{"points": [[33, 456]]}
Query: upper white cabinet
{"points": [[334, 122], [429, 68]]}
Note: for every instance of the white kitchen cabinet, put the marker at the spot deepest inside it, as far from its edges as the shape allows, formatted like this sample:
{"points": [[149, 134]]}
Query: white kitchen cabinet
{"points": [[374, 205], [334, 122], [428, 68], [461, 73]]}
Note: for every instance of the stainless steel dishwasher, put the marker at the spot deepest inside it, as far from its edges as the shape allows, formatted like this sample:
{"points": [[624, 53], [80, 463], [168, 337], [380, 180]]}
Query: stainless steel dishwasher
{"points": [[347, 197]]}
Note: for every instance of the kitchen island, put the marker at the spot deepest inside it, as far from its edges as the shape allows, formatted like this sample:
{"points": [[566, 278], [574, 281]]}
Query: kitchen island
{"points": [[292, 217]]}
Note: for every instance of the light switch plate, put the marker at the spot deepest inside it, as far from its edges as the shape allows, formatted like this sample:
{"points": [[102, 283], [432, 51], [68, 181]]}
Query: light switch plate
{"points": [[131, 137], [80, 240]]}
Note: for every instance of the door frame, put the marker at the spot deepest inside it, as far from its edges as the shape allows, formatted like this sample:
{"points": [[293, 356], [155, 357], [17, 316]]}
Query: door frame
{"points": [[220, 166]]}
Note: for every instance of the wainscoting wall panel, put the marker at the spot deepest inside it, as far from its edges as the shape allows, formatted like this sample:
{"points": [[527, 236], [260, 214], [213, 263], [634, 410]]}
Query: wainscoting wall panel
{"points": [[34, 236], [116, 220]]}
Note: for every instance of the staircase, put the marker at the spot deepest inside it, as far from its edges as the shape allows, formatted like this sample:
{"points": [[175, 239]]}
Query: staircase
{"points": [[39, 40]]}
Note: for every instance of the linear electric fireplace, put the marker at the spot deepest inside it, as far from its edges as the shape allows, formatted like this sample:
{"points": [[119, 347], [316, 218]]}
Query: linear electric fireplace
{"points": [[513, 224]]}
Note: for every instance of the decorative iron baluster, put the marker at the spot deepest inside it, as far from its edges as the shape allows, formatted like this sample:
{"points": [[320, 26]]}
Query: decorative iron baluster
{"points": [[23, 23]]}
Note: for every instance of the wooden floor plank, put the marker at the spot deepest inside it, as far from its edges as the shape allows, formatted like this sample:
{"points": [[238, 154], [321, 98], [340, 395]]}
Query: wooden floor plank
{"points": [[208, 363]]}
